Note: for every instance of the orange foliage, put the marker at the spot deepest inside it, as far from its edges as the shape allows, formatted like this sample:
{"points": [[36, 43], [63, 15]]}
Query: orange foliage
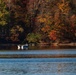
{"points": [[64, 7], [52, 35], [46, 28]]}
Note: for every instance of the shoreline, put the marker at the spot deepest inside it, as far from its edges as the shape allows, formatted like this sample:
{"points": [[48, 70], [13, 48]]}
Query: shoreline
{"points": [[64, 44], [39, 46]]}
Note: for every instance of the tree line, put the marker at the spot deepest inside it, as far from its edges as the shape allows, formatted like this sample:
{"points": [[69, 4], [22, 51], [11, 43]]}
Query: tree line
{"points": [[37, 21]]}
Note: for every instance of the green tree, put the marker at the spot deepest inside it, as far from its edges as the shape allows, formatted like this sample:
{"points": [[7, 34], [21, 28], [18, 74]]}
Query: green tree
{"points": [[33, 37], [4, 13], [4, 19]]}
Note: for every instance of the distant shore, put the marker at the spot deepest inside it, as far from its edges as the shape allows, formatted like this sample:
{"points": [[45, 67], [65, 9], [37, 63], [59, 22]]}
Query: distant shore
{"points": [[64, 44], [39, 46]]}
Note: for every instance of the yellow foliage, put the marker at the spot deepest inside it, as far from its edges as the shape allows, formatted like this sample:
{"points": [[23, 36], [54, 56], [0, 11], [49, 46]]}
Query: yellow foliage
{"points": [[3, 23], [1, 14], [46, 19], [42, 20], [64, 7]]}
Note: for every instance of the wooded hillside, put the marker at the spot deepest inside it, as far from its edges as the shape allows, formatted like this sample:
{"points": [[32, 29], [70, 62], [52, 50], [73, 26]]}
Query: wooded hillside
{"points": [[36, 21]]}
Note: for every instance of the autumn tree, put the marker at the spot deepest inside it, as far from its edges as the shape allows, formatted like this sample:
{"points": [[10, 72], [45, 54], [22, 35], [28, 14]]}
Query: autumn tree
{"points": [[19, 19], [3, 13], [61, 17], [4, 19], [39, 20]]}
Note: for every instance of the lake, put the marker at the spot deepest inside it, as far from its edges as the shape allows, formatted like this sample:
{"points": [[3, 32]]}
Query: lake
{"points": [[39, 65]]}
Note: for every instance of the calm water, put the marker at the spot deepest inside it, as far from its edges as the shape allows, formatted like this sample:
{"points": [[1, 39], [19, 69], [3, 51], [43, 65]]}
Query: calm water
{"points": [[38, 66], [55, 51]]}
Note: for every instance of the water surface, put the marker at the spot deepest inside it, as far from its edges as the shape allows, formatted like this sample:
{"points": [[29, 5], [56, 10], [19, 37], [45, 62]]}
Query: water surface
{"points": [[38, 66]]}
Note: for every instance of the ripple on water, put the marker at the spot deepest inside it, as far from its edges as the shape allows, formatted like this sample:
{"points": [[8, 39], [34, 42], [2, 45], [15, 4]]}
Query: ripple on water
{"points": [[38, 68]]}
